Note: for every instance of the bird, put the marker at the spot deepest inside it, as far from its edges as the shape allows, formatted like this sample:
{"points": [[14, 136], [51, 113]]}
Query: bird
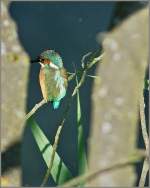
{"points": [[53, 77]]}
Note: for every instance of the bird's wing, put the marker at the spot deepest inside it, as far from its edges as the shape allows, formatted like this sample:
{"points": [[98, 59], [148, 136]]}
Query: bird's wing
{"points": [[65, 76]]}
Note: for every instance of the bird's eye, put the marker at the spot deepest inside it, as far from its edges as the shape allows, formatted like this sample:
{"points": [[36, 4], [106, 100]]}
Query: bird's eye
{"points": [[41, 60]]}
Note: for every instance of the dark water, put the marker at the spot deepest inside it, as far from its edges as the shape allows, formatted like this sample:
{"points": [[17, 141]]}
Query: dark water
{"points": [[70, 28]]}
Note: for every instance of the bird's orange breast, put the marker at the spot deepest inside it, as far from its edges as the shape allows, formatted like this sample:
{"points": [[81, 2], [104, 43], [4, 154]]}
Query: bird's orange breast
{"points": [[42, 84]]}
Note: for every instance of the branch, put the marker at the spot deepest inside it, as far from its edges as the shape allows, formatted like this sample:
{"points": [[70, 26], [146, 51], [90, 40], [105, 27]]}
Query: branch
{"points": [[88, 75], [80, 83], [144, 173], [91, 175], [86, 67], [146, 142], [35, 108], [53, 155], [143, 124]]}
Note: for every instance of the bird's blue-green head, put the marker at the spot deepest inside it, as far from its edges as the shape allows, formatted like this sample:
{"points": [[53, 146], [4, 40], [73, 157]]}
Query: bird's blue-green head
{"points": [[51, 57]]}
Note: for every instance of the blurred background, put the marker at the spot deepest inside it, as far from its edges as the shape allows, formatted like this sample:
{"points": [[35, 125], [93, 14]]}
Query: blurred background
{"points": [[72, 29]]}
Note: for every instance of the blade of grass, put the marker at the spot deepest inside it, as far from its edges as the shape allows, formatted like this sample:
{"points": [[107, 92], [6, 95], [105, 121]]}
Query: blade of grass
{"points": [[59, 172], [81, 147]]}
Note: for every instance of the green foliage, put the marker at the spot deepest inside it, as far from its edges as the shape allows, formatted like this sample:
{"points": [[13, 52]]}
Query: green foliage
{"points": [[82, 161], [59, 172], [146, 84]]}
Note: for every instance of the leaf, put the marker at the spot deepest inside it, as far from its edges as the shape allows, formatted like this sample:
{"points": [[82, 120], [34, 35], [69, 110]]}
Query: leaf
{"points": [[59, 172], [81, 147], [146, 84]]}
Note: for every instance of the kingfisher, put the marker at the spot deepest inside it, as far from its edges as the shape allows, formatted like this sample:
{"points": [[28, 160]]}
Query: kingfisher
{"points": [[53, 77]]}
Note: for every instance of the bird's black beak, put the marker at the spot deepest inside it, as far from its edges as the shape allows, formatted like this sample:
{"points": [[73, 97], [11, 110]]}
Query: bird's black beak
{"points": [[37, 60]]}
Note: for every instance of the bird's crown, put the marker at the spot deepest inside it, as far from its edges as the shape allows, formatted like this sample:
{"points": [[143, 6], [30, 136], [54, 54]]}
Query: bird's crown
{"points": [[52, 56]]}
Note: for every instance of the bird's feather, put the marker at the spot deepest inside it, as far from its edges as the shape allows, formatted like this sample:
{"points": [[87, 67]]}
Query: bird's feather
{"points": [[53, 83], [56, 104]]}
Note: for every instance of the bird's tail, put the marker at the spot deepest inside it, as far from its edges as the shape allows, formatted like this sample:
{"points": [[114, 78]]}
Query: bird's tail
{"points": [[56, 104]]}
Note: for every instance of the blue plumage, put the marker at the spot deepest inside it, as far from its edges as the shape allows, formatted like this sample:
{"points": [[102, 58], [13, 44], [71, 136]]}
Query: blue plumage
{"points": [[56, 104]]}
